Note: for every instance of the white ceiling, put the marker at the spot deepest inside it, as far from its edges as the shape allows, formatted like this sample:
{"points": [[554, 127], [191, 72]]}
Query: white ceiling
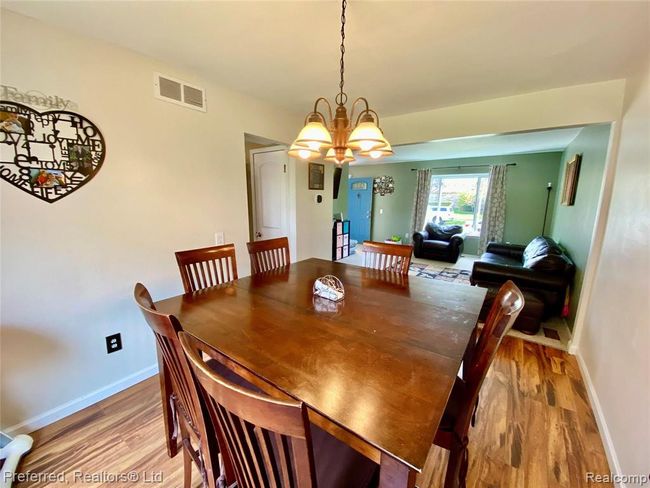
{"points": [[486, 145], [404, 56]]}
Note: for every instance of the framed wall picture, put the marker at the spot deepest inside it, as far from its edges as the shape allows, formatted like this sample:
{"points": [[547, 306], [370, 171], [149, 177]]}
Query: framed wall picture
{"points": [[571, 173], [316, 176]]}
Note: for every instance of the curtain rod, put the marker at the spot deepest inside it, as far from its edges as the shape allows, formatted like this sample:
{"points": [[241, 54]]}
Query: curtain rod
{"points": [[470, 166]]}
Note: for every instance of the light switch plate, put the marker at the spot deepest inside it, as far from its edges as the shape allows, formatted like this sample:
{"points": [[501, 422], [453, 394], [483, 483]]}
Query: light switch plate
{"points": [[219, 238]]}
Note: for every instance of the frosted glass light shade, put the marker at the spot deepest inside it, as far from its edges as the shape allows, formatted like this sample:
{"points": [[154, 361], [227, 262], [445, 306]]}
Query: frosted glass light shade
{"points": [[331, 156], [315, 136], [303, 152], [366, 136], [381, 152]]}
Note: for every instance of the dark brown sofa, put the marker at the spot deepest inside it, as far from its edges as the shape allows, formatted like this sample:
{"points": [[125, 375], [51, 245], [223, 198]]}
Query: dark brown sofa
{"points": [[542, 270]]}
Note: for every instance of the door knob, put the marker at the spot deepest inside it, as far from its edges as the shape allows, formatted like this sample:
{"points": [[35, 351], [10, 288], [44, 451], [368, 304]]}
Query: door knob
{"points": [[258, 234]]}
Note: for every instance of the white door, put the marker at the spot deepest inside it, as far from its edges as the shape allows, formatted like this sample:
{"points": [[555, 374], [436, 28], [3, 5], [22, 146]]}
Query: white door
{"points": [[270, 194]]}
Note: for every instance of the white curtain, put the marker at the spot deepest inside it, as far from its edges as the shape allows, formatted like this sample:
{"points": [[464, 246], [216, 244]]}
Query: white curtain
{"points": [[494, 214], [421, 200]]}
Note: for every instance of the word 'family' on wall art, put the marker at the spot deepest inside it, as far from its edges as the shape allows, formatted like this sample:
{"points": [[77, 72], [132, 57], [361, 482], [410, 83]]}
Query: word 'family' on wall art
{"points": [[48, 154]]}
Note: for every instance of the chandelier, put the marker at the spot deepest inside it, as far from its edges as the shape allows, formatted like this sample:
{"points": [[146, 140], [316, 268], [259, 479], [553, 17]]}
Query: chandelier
{"points": [[336, 136]]}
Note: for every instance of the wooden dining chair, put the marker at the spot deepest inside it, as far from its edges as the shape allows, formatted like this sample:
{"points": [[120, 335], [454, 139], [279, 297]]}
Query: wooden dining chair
{"points": [[180, 402], [388, 257], [206, 267], [452, 433], [270, 442], [269, 254]]}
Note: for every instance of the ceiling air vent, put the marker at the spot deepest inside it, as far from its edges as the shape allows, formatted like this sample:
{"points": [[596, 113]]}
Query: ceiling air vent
{"points": [[179, 92]]}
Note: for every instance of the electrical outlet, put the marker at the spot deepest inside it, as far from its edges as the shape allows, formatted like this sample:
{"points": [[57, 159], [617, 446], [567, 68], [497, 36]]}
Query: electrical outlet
{"points": [[113, 343], [219, 238]]}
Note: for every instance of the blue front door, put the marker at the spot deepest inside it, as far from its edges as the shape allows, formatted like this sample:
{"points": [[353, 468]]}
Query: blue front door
{"points": [[360, 208]]}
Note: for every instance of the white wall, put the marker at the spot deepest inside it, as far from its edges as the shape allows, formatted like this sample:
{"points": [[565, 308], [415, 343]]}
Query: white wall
{"points": [[615, 342], [171, 178], [573, 105], [315, 238]]}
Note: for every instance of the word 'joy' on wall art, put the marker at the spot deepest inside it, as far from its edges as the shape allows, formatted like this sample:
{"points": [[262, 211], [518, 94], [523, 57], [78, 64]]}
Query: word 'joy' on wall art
{"points": [[48, 154]]}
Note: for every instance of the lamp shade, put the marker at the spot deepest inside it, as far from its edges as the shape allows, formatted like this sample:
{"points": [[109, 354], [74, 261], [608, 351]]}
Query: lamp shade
{"points": [[346, 157], [366, 136], [303, 152], [381, 152], [315, 136]]}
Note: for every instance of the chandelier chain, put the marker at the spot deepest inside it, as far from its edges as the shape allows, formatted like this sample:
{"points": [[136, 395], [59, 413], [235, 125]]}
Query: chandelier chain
{"points": [[342, 97]]}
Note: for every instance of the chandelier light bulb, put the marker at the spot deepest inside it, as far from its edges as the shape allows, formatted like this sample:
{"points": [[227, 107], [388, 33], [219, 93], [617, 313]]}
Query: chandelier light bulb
{"points": [[303, 152]]}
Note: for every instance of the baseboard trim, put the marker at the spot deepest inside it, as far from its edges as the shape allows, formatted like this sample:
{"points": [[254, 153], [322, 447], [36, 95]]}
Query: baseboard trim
{"points": [[606, 437], [57, 413]]}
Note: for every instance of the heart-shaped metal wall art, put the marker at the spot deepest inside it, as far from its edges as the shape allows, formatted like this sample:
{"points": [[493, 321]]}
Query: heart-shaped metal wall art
{"points": [[48, 154]]}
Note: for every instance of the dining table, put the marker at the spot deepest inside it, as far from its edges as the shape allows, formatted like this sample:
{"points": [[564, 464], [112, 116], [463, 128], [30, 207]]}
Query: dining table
{"points": [[374, 369]]}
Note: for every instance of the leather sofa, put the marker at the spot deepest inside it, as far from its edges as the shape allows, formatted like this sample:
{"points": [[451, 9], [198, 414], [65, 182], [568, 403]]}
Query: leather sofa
{"points": [[440, 242], [541, 269]]}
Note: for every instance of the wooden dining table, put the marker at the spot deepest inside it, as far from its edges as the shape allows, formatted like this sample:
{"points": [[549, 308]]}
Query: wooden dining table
{"points": [[375, 370]]}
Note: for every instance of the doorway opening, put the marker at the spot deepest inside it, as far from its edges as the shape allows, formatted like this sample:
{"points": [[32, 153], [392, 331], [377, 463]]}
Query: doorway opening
{"points": [[539, 164]]}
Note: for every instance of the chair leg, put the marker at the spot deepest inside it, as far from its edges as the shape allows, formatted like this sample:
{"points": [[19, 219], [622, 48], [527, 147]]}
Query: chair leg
{"points": [[187, 457], [453, 469], [457, 465], [475, 411]]}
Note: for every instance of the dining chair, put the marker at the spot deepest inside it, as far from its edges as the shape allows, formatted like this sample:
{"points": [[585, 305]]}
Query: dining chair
{"points": [[269, 254], [181, 401], [206, 267], [270, 442], [388, 257], [452, 433]]}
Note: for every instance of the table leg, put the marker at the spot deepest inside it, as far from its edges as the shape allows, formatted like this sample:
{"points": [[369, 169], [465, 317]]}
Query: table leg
{"points": [[168, 415], [394, 474]]}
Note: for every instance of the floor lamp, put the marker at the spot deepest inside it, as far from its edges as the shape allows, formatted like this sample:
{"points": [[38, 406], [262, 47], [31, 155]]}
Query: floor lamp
{"points": [[549, 187]]}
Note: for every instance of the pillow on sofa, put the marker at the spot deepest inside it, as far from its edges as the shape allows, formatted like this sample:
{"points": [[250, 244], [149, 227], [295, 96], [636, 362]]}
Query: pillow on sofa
{"points": [[442, 232], [543, 254]]}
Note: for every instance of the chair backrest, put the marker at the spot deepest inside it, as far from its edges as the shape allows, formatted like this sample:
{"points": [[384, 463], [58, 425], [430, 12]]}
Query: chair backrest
{"points": [[269, 254], [502, 315], [387, 257], [166, 328], [208, 266], [268, 440]]}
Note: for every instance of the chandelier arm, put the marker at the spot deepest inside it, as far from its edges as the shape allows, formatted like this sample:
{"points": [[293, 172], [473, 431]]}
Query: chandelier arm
{"points": [[367, 111], [329, 109], [360, 99]]}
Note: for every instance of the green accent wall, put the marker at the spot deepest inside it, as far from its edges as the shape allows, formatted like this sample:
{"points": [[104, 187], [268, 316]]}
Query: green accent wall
{"points": [[573, 226], [525, 202]]}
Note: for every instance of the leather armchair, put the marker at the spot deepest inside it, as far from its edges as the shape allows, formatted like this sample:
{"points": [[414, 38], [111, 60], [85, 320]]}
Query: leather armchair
{"points": [[440, 242], [541, 268]]}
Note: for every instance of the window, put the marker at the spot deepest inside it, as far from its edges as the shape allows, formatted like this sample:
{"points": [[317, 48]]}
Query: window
{"points": [[458, 200]]}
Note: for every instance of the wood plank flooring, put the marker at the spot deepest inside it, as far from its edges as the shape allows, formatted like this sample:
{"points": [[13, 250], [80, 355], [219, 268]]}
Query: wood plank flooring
{"points": [[535, 429]]}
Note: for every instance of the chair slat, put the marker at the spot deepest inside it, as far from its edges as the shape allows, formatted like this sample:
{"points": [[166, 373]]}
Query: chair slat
{"points": [[203, 268], [285, 467], [387, 257], [269, 254]]}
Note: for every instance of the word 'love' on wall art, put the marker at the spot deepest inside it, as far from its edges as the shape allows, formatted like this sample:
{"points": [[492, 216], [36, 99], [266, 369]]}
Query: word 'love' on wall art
{"points": [[48, 154]]}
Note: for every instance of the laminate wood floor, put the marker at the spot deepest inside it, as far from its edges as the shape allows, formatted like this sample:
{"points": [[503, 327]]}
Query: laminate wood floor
{"points": [[535, 429]]}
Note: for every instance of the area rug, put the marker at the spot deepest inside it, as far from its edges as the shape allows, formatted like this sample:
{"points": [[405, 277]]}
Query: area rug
{"points": [[428, 271]]}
